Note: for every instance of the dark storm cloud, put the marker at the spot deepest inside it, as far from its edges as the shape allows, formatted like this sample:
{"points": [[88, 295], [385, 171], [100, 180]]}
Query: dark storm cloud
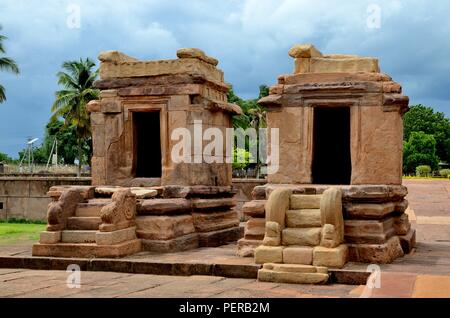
{"points": [[250, 38]]}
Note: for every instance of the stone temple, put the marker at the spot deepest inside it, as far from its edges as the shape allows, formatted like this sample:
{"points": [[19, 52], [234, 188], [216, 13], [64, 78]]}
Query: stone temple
{"points": [[336, 197], [140, 199]]}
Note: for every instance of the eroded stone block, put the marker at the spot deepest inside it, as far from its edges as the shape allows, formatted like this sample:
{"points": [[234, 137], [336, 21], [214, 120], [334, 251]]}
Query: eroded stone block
{"points": [[330, 257], [268, 254]]}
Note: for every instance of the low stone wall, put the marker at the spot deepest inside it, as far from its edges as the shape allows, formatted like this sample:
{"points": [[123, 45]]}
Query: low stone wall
{"points": [[26, 197]]}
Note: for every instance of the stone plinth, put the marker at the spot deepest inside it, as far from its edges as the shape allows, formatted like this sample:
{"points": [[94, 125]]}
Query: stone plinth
{"points": [[376, 228]]}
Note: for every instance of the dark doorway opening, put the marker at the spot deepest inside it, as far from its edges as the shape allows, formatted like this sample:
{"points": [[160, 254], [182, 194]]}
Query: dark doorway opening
{"points": [[331, 149], [147, 144]]}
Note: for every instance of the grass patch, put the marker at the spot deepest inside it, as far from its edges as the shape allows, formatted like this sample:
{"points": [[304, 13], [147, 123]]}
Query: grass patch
{"points": [[425, 178], [13, 233], [22, 221]]}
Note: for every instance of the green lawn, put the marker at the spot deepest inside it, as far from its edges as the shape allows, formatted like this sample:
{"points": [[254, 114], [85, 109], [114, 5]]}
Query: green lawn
{"points": [[12, 233], [429, 178]]}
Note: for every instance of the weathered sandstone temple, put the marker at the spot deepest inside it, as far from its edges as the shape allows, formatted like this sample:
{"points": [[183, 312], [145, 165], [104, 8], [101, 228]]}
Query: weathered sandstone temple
{"points": [[339, 183], [336, 197], [141, 199]]}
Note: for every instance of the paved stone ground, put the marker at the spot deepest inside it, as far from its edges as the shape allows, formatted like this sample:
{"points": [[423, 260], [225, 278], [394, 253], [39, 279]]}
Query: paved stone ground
{"points": [[34, 283], [51, 284], [430, 204], [423, 273]]}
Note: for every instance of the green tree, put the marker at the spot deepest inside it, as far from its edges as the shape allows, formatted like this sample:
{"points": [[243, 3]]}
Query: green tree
{"points": [[67, 142], [253, 114], [419, 150], [6, 64], [77, 80], [425, 119], [5, 158]]}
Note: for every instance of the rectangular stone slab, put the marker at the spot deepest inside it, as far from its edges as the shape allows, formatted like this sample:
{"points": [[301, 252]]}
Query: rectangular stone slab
{"points": [[91, 208], [71, 236], [115, 237], [303, 236], [369, 210], [254, 208], [163, 206], [265, 275], [50, 237], [295, 268], [83, 223], [268, 254], [219, 237], [206, 222], [153, 68], [330, 257], [215, 204], [255, 228], [181, 243], [87, 250], [376, 253], [87, 192], [153, 227], [298, 255], [303, 218], [304, 201], [369, 231], [343, 65]]}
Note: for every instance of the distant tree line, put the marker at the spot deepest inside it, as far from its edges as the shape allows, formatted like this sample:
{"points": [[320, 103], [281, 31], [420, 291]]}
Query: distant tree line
{"points": [[426, 139]]}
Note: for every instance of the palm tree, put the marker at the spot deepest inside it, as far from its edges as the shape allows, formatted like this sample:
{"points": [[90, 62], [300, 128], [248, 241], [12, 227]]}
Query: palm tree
{"points": [[6, 64], [77, 80]]}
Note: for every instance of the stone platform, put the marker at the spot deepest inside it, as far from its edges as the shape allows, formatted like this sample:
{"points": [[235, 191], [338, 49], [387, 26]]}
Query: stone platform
{"points": [[89, 221], [376, 227]]}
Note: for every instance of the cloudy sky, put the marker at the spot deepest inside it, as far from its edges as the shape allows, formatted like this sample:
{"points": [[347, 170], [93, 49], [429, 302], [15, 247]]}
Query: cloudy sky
{"points": [[249, 37]]}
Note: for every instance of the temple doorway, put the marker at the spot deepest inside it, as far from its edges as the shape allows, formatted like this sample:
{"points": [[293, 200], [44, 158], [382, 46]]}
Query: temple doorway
{"points": [[331, 148], [147, 144]]}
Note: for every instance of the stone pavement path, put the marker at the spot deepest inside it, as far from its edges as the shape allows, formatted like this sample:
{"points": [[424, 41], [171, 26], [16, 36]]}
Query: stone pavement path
{"points": [[35, 283], [52, 284], [429, 201]]}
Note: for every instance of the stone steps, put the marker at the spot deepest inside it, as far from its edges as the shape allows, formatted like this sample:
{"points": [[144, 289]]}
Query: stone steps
{"points": [[305, 201], [303, 218], [83, 223], [293, 274], [87, 250], [78, 236], [309, 236], [92, 208]]}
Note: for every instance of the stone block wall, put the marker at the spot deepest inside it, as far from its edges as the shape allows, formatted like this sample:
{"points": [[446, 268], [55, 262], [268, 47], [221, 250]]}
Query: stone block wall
{"points": [[26, 197]]}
